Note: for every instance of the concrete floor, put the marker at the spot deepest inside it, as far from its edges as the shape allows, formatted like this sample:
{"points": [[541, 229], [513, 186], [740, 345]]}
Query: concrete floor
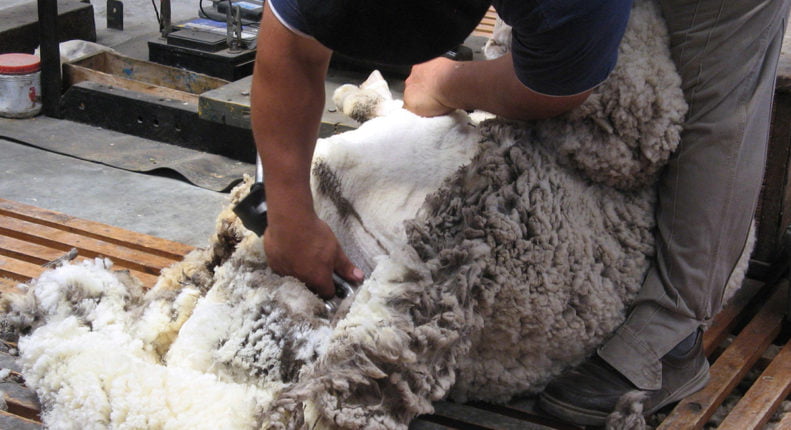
{"points": [[154, 205]]}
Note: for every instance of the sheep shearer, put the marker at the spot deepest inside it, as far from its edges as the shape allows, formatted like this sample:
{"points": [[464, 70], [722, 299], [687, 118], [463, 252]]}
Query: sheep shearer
{"points": [[726, 52]]}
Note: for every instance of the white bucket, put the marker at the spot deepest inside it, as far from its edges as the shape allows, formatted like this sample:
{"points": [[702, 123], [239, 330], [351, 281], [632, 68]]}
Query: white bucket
{"points": [[20, 85]]}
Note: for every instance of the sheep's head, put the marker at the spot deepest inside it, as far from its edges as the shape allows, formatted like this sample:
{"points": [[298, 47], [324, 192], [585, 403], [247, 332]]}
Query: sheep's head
{"points": [[371, 99]]}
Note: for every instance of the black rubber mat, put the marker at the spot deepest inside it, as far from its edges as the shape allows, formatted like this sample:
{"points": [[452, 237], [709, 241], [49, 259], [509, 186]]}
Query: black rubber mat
{"points": [[210, 171]]}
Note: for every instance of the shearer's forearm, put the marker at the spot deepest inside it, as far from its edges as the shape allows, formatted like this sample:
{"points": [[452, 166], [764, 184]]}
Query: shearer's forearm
{"points": [[286, 106], [492, 86]]}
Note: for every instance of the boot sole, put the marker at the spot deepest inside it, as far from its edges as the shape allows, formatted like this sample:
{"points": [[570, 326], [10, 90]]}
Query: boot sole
{"points": [[571, 413], [590, 417]]}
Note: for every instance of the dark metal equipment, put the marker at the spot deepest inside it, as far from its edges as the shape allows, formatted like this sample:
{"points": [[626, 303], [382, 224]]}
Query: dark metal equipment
{"points": [[251, 210], [165, 26], [50, 57], [19, 28], [233, 22], [220, 43], [149, 100], [115, 14]]}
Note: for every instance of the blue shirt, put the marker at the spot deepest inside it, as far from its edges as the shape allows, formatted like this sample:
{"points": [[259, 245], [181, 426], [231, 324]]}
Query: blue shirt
{"points": [[559, 47], [564, 47]]}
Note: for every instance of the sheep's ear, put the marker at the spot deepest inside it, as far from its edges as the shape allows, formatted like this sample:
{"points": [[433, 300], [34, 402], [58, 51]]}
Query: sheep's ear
{"points": [[377, 83], [342, 92]]}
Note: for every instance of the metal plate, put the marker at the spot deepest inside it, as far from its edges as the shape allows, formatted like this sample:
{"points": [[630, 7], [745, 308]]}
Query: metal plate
{"points": [[115, 14], [210, 171]]}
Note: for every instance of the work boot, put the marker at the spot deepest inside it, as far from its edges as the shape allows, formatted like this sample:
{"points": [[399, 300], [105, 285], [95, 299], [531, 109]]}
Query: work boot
{"points": [[587, 394]]}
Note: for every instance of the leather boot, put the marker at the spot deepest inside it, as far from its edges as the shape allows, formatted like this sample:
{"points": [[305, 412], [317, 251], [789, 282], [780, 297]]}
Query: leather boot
{"points": [[587, 394]]}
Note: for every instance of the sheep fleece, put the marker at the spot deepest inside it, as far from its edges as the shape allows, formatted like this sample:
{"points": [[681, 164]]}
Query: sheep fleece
{"points": [[509, 264]]}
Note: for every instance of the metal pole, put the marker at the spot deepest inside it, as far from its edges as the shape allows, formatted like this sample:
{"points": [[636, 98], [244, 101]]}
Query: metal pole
{"points": [[165, 25], [50, 57]]}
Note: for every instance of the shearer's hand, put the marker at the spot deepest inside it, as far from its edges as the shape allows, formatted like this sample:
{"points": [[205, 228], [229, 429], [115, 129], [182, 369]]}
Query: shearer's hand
{"points": [[309, 252], [423, 91]]}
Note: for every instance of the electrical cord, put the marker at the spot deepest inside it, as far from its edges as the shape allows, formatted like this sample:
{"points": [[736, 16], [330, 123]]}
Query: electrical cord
{"points": [[214, 16], [200, 6], [156, 12]]}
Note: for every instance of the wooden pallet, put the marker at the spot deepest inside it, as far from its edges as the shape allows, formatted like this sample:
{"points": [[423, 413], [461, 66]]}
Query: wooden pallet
{"points": [[30, 237], [486, 26]]}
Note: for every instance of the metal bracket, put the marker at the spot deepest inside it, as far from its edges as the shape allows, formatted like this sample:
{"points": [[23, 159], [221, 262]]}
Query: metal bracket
{"points": [[234, 28], [115, 14], [165, 25]]}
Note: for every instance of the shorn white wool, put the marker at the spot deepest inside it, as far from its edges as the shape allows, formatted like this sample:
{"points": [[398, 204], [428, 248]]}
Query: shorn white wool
{"points": [[498, 254], [90, 371]]}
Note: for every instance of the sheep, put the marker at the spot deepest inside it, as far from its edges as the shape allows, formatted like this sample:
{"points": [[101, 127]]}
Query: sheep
{"points": [[498, 254]]}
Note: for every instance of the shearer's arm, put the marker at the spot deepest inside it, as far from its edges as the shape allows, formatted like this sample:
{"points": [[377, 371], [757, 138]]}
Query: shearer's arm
{"points": [[286, 106], [442, 85]]}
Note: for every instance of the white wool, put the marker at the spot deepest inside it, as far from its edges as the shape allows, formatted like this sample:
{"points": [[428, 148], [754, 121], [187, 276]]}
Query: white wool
{"points": [[94, 382], [315, 343], [389, 190], [75, 50], [100, 375], [157, 327], [371, 99], [628, 414], [500, 42], [205, 327], [48, 292], [4, 374]]}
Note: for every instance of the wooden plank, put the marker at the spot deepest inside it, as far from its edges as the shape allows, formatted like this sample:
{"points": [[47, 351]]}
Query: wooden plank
{"points": [[525, 409], [21, 401], [230, 104], [764, 397], [486, 26], [160, 75], [420, 424], [483, 32], [469, 416], [30, 252], [12, 422], [74, 74], [40, 254], [18, 269], [87, 247], [8, 285], [96, 230], [23, 271], [732, 365], [8, 361]]}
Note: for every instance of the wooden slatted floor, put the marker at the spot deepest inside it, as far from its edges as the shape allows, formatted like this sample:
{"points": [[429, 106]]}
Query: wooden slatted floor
{"points": [[737, 341], [486, 27]]}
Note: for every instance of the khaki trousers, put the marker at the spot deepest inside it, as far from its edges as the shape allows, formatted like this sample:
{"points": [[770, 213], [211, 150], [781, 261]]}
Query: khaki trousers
{"points": [[726, 52]]}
